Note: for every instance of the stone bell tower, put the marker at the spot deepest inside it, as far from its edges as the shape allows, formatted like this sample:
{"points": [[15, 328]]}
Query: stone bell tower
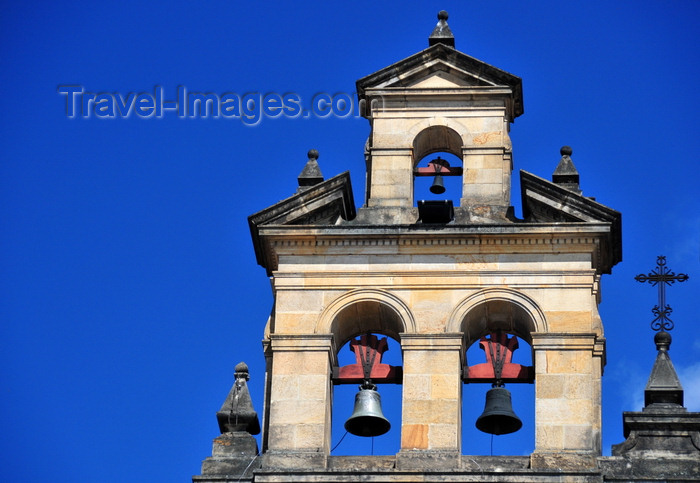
{"points": [[439, 100], [436, 278]]}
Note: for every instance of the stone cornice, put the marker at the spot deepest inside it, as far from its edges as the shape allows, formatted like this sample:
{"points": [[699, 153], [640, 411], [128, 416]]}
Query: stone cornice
{"points": [[416, 280], [302, 342], [568, 341], [349, 239]]}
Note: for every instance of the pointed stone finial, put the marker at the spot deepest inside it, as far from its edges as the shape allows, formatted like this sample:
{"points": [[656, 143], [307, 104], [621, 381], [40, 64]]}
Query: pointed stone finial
{"points": [[311, 174], [442, 33], [566, 174], [663, 389], [237, 413]]}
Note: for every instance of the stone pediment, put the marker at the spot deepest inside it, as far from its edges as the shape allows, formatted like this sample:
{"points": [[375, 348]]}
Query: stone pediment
{"points": [[325, 203], [442, 66], [546, 202], [441, 79]]}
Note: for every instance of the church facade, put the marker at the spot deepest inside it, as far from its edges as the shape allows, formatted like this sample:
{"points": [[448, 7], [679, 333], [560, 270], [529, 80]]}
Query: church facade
{"points": [[438, 277]]}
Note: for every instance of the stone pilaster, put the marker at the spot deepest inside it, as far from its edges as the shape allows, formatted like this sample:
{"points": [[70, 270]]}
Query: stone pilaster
{"points": [[300, 400], [432, 399], [486, 182], [567, 400]]}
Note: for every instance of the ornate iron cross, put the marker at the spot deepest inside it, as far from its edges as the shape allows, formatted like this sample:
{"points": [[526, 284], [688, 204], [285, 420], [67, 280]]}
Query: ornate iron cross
{"points": [[661, 276]]}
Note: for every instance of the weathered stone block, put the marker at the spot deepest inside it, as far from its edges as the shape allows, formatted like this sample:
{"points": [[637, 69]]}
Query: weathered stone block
{"points": [[302, 301], [443, 436], [314, 386], [310, 436], [427, 460], [431, 411], [578, 437], [549, 436], [295, 322], [570, 321], [290, 459], [550, 386], [564, 411], [416, 386], [414, 436], [580, 387], [569, 362], [282, 436], [286, 386], [239, 443], [563, 461], [445, 386]]}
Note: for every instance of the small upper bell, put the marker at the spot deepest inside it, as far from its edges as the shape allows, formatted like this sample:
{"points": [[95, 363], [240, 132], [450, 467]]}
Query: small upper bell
{"points": [[498, 416], [438, 187], [367, 418]]}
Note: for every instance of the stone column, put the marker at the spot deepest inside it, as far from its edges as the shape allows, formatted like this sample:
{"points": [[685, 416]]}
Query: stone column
{"points": [[300, 400], [432, 400], [567, 400]]}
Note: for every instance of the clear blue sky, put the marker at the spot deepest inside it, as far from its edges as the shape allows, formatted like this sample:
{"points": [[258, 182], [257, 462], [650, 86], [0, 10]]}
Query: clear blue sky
{"points": [[128, 280]]}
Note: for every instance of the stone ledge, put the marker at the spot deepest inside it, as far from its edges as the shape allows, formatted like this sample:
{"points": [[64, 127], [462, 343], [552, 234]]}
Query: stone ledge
{"points": [[295, 460], [436, 475], [650, 467], [472, 468], [427, 460], [563, 461]]}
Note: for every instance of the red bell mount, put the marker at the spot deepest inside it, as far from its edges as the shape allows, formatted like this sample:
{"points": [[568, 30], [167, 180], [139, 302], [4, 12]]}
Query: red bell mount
{"points": [[438, 166], [368, 366], [498, 368]]}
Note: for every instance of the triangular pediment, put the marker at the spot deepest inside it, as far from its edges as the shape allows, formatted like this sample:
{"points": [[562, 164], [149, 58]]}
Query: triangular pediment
{"points": [[547, 202], [325, 203], [441, 66], [442, 79]]}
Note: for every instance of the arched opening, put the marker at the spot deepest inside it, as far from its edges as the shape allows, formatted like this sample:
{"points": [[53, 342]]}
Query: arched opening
{"points": [[366, 323], [344, 443], [519, 443], [497, 312], [422, 183], [437, 162], [363, 315], [436, 139], [497, 327]]}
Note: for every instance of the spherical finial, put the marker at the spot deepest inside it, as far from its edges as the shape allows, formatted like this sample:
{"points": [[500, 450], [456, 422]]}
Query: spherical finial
{"points": [[313, 154], [662, 340], [566, 151], [442, 15], [241, 367]]}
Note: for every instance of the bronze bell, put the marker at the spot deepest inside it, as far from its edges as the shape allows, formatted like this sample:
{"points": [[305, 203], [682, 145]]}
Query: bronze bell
{"points": [[438, 187], [367, 418], [498, 416]]}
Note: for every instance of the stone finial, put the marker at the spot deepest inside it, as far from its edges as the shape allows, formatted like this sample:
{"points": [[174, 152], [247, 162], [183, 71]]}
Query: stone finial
{"points": [[663, 341], [442, 33], [664, 387], [663, 428], [566, 174], [237, 413], [311, 174], [241, 371]]}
